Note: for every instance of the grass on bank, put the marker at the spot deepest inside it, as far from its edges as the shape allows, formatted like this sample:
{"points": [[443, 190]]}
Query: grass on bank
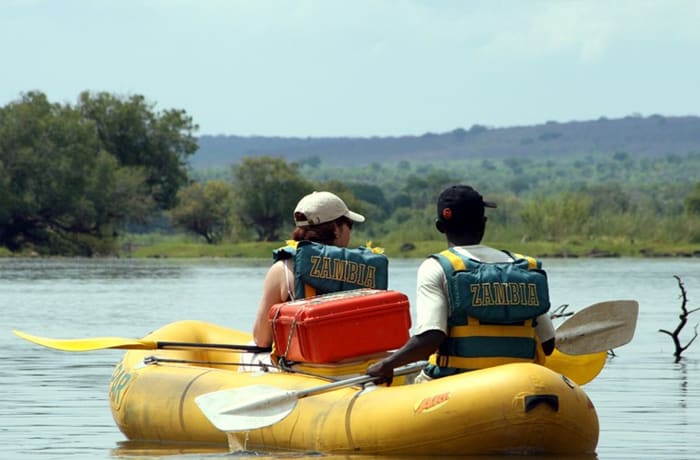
{"points": [[183, 246]]}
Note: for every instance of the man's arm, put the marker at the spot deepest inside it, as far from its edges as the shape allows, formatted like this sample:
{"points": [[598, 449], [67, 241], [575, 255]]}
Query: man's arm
{"points": [[431, 322], [546, 333], [548, 347], [417, 348]]}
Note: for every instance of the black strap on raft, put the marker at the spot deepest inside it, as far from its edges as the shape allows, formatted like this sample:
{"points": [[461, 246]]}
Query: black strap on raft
{"points": [[532, 401]]}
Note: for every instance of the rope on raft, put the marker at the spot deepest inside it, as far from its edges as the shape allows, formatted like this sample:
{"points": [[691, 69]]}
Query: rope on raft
{"points": [[264, 367]]}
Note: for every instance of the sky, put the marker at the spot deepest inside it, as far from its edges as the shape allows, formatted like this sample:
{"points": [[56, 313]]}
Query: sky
{"points": [[321, 68]]}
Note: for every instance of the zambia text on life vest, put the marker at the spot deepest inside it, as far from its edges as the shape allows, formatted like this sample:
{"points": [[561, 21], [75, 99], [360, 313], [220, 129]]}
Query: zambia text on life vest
{"points": [[330, 268], [504, 293]]}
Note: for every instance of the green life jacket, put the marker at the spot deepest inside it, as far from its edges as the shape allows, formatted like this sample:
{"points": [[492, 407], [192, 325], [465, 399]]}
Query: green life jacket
{"points": [[321, 268], [492, 314]]}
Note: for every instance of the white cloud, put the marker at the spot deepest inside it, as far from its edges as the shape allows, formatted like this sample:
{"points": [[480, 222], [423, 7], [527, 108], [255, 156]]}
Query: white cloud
{"points": [[586, 30], [362, 66]]}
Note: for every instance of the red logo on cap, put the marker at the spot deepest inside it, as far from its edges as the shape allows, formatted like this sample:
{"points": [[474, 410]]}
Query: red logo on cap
{"points": [[447, 214]]}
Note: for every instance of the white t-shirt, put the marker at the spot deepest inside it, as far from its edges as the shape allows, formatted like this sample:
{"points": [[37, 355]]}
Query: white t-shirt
{"points": [[432, 305]]}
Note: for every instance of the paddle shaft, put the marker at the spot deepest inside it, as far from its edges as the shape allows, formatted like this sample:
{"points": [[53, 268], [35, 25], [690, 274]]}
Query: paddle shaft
{"points": [[103, 343], [359, 380], [178, 345], [600, 327], [266, 400]]}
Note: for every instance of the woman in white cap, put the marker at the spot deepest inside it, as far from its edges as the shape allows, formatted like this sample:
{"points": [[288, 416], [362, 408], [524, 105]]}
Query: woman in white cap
{"points": [[323, 229]]}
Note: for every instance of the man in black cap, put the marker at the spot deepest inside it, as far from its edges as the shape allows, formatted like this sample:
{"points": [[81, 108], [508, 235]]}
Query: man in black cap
{"points": [[476, 306]]}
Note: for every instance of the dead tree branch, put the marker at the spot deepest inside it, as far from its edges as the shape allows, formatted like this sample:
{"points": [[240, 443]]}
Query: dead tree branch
{"points": [[560, 312], [675, 335]]}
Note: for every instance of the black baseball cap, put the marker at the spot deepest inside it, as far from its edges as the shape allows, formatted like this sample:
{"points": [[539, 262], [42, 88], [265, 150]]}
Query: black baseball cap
{"points": [[460, 204]]}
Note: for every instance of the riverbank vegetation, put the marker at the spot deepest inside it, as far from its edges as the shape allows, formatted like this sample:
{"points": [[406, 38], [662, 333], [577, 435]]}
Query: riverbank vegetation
{"points": [[111, 176], [183, 246], [72, 176]]}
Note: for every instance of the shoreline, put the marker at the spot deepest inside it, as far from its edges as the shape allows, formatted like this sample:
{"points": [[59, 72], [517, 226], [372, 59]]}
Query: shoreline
{"points": [[177, 249]]}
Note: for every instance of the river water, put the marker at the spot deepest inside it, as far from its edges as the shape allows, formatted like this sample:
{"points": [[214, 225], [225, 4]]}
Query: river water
{"points": [[53, 405]]}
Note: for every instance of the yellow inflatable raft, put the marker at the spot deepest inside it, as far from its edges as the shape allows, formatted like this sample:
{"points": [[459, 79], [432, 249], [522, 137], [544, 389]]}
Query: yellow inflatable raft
{"points": [[514, 408]]}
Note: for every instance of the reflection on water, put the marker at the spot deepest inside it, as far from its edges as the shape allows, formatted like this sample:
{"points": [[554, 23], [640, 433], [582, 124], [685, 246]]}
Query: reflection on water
{"points": [[53, 405], [86, 270], [142, 450], [82, 270], [131, 449]]}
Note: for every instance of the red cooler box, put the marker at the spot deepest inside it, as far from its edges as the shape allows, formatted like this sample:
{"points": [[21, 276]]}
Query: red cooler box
{"points": [[332, 327]]}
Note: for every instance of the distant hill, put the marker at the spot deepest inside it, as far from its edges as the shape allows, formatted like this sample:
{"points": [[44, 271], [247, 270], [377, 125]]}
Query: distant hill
{"points": [[651, 136]]}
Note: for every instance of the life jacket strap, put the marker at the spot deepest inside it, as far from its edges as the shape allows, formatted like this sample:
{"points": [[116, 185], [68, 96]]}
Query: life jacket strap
{"points": [[477, 330], [493, 330], [460, 362]]}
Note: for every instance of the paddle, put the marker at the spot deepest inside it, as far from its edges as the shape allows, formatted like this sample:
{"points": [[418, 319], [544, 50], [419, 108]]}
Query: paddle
{"points": [[599, 327], [258, 406], [581, 369], [582, 344], [102, 343], [583, 340]]}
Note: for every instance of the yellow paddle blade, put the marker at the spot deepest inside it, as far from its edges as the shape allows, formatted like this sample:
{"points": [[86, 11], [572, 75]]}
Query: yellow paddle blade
{"points": [[580, 368], [89, 344]]}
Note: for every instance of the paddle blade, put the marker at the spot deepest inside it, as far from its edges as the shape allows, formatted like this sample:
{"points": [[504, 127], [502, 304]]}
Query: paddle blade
{"points": [[247, 408], [600, 327], [581, 369], [100, 343], [258, 406]]}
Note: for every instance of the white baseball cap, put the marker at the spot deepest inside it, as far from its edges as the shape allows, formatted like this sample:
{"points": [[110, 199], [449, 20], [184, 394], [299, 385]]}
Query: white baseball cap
{"points": [[321, 207]]}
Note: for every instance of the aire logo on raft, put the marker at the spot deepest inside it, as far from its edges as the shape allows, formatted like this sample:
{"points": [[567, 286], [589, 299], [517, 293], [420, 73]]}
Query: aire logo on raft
{"points": [[118, 383], [431, 403]]}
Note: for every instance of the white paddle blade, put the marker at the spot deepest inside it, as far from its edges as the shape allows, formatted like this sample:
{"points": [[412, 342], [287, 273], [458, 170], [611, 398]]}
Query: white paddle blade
{"points": [[600, 327], [246, 408], [257, 406]]}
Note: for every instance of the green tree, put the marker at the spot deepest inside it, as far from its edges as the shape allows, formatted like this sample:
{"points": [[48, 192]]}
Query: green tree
{"points": [[425, 189], [61, 192], [556, 218], [477, 129], [137, 135], [608, 198], [205, 209], [267, 190], [313, 161], [365, 198], [520, 184], [692, 201]]}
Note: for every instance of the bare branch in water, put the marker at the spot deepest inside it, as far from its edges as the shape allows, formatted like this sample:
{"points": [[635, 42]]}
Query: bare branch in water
{"points": [[675, 335], [560, 312]]}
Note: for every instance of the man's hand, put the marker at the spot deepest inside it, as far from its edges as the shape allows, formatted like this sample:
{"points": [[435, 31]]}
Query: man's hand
{"points": [[417, 348], [383, 370]]}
